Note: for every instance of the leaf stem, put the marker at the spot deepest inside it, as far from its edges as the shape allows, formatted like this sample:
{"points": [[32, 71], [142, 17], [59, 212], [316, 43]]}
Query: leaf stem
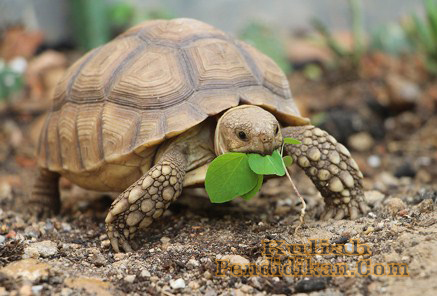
{"points": [[304, 205]]}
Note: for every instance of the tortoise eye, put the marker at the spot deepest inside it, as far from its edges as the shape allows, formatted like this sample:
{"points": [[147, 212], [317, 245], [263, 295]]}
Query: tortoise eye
{"points": [[242, 135], [277, 130]]}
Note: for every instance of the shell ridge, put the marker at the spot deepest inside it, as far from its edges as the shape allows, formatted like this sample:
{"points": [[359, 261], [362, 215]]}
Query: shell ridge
{"points": [[76, 74]]}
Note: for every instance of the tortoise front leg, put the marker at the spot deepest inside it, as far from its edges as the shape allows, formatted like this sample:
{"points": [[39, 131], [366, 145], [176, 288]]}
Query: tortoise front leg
{"points": [[146, 200], [45, 199], [331, 168]]}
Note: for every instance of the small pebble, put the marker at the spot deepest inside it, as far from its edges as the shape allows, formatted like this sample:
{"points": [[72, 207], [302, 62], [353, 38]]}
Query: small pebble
{"points": [[44, 249], [145, 273], [310, 285], [369, 229], [119, 256], [192, 263], [207, 275], [2, 239], [105, 243], [177, 284], [194, 285], [37, 289], [130, 278], [374, 161], [66, 226]]}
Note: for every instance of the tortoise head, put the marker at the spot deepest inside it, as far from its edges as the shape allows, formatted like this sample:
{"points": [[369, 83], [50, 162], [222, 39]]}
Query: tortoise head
{"points": [[247, 129]]}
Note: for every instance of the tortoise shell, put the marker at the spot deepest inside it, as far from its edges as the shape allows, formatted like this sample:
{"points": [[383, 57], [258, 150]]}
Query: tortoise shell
{"points": [[153, 82]]}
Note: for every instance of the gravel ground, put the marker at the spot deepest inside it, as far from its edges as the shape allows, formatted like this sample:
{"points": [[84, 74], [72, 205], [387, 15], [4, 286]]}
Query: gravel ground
{"points": [[70, 254]]}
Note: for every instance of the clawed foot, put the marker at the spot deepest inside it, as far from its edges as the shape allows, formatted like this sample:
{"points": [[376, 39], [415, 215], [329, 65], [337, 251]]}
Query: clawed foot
{"points": [[119, 237], [351, 210], [331, 168]]}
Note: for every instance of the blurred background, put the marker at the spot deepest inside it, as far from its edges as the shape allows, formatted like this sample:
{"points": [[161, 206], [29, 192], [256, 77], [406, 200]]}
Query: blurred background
{"points": [[363, 70]]}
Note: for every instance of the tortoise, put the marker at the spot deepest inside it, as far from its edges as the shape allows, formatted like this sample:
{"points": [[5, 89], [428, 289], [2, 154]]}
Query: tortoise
{"points": [[146, 113]]}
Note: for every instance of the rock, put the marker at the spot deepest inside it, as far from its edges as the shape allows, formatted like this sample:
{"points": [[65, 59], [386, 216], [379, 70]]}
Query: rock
{"points": [[310, 285], [405, 170], [177, 284], [236, 259], [394, 205], [66, 227], [119, 256], [66, 292], [105, 243], [43, 249], [368, 230], [92, 286], [402, 91], [374, 197], [31, 231], [29, 269], [210, 292], [98, 259], [426, 206], [374, 161], [37, 289], [192, 263], [130, 278], [25, 290], [361, 141], [193, 285], [207, 275], [145, 273]]}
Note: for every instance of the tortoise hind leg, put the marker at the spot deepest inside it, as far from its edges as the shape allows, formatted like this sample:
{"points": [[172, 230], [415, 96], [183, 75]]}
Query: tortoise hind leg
{"points": [[331, 168], [146, 200], [45, 199]]}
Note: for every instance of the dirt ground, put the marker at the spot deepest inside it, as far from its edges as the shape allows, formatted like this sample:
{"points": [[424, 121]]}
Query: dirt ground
{"points": [[70, 254]]}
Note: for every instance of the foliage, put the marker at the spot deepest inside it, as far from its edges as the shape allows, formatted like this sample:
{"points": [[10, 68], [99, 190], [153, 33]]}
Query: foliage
{"points": [[344, 56], [11, 80], [124, 15], [390, 38], [265, 39], [238, 174], [267, 165], [423, 34], [91, 23]]}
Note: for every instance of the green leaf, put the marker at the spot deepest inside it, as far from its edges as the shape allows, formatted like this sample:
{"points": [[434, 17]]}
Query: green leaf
{"points": [[267, 165], [229, 176], [292, 141], [255, 189], [288, 160]]}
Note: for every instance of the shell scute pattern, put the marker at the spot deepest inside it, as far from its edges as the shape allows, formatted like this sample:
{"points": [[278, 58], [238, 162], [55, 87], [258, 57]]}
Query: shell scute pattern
{"points": [[152, 83]]}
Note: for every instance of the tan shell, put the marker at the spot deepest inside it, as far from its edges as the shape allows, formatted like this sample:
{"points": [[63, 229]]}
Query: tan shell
{"points": [[151, 83]]}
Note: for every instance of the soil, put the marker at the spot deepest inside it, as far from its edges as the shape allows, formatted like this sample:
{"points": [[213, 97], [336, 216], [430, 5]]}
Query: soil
{"points": [[70, 254]]}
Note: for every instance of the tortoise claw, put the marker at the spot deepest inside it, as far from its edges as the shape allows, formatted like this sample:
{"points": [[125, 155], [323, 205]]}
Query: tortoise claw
{"points": [[339, 215]]}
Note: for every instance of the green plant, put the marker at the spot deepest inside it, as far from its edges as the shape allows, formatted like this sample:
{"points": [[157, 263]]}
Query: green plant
{"points": [[10, 81], [91, 24], [265, 39], [342, 55], [390, 38], [238, 174], [423, 34]]}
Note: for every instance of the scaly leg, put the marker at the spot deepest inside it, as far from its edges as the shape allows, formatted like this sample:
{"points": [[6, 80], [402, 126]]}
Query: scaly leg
{"points": [[45, 201], [146, 200], [331, 168]]}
